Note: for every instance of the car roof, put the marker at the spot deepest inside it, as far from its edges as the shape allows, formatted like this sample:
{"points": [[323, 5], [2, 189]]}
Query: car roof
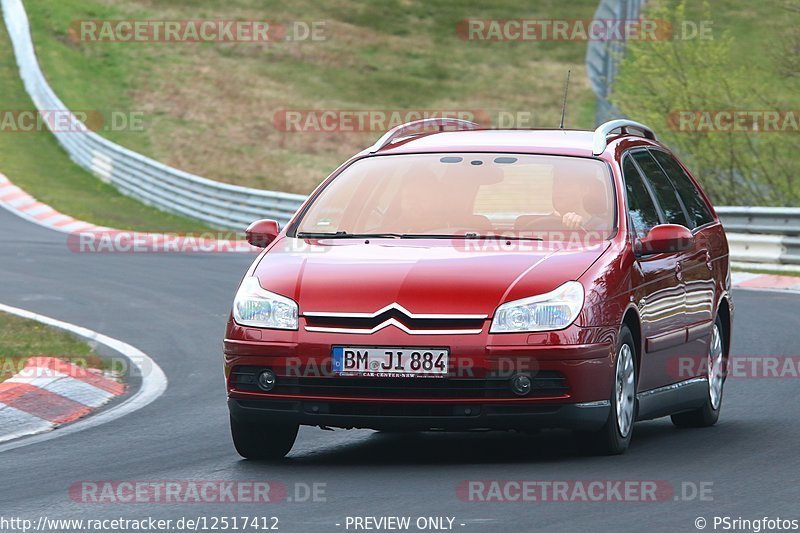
{"points": [[470, 137], [555, 141]]}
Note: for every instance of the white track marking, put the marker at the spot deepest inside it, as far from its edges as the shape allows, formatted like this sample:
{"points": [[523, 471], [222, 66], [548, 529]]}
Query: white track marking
{"points": [[21, 203], [154, 383], [38, 210]]}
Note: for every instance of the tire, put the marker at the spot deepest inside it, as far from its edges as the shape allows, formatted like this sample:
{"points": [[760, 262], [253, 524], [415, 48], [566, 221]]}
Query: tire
{"points": [[615, 435], [708, 414], [269, 442]]}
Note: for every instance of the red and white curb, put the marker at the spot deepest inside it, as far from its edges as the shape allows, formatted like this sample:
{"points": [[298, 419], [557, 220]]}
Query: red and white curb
{"points": [[87, 237], [48, 392], [748, 280], [26, 206]]}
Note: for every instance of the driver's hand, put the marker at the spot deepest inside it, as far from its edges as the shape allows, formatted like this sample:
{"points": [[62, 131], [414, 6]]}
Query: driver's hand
{"points": [[572, 221]]}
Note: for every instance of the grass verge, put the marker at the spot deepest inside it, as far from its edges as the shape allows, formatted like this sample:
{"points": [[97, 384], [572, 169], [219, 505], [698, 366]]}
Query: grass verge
{"points": [[21, 339], [36, 162], [209, 108]]}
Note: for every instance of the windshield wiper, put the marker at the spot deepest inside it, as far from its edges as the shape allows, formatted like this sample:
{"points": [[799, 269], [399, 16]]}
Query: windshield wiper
{"points": [[346, 235], [502, 237], [468, 236]]}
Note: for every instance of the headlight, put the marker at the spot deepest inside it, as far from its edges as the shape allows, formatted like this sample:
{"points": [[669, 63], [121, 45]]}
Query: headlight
{"points": [[555, 310], [254, 306]]}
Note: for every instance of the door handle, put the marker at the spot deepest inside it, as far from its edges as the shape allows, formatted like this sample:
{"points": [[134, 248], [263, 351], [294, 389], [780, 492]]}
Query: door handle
{"points": [[678, 271]]}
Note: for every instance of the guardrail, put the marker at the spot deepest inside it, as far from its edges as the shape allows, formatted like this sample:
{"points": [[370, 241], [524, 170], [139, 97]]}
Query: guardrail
{"points": [[603, 57], [763, 237], [217, 204], [765, 220]]}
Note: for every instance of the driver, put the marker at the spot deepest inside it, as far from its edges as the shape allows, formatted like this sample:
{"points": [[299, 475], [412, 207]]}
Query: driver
{"points": [[581, 203]]}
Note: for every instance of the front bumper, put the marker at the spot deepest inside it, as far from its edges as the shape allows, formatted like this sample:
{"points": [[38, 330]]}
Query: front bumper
{"points": [[420, 416], [582, 356]]}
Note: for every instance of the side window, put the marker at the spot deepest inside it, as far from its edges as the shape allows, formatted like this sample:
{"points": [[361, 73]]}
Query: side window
{"points": [[666, 195], [642, 210], [695, 205]]}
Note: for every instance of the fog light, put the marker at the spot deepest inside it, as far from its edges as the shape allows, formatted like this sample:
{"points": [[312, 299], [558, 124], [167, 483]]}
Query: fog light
{"points": [[266, 380], [521, 384]]}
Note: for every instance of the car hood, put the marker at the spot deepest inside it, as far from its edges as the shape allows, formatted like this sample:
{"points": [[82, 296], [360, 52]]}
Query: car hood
{"points": [[423, 276]]}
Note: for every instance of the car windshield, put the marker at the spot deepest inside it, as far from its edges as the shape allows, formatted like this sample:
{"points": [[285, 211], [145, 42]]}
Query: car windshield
{"points": [[468, 195]]}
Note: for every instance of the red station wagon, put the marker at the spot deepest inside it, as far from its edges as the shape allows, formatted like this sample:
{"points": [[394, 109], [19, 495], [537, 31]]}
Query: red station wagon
{"points": [[468, 278]]}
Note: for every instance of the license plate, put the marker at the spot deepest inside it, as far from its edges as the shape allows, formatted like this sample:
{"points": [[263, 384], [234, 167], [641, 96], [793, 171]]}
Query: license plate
{"points": [[390, 362]]}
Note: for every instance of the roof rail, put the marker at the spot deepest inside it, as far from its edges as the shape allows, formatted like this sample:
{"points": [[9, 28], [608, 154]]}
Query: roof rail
{"points": [[404, 130], [599, 142]]}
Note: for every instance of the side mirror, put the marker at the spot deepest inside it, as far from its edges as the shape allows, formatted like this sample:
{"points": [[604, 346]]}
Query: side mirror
{"points": [[664, 239], [262, 232]]}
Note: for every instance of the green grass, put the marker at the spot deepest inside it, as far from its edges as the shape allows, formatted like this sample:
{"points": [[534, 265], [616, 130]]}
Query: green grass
{"points": [[36, 162], [21, 339], [209, 107]]}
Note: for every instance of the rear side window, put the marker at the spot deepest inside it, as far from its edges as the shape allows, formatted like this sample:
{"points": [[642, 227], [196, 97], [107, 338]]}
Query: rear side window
{"points": [[642, 210], [695, 206], [666, 195]]}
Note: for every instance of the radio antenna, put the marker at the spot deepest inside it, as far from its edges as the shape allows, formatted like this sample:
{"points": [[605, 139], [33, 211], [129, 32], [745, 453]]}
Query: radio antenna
{"points": [[564, 107]]}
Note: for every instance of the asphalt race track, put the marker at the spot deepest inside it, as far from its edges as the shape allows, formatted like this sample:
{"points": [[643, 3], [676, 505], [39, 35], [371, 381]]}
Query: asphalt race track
{"points": [[174, 307]]}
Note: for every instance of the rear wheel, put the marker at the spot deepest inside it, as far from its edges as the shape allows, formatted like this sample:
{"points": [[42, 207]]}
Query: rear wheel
{"points": [[615, 436], [255, 441], [708, 414]]}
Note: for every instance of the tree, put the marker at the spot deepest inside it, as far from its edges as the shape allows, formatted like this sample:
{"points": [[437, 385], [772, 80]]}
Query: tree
{"points": [[662, 82]]}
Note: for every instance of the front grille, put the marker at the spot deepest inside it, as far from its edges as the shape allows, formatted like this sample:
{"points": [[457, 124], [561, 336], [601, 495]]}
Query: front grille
{"points": [[546, 383], [415, 324]]}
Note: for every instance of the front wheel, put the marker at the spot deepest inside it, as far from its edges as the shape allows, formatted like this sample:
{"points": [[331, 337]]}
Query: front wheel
{"points": [[615, 436], [267, 442], [708, 414]]}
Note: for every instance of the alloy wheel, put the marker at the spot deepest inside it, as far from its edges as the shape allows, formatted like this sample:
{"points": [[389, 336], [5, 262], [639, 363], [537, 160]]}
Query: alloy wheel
{"points": [[716, 371], [625, 390]]}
